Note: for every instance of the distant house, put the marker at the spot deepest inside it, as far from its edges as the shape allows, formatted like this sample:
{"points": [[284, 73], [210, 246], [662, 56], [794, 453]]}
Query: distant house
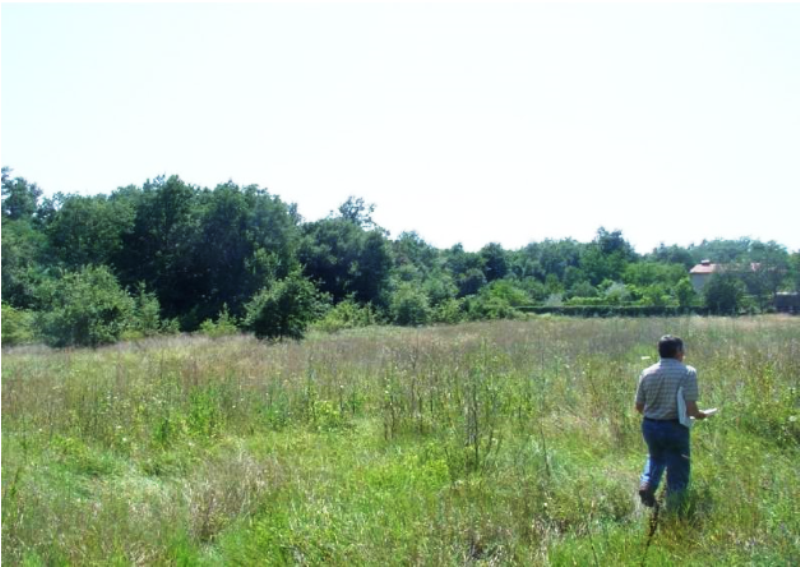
{"points": [[703, 271]]}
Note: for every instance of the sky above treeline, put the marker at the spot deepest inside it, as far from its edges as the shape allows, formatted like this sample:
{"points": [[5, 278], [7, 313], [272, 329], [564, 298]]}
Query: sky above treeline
{"points": [[466, 122]]}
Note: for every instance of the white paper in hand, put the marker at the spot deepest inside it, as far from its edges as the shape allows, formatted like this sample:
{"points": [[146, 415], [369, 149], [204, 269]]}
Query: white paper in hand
{"points": [[710, 411]]}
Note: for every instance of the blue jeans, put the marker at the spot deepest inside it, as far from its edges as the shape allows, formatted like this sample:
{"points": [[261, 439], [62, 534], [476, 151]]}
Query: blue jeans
{"points": [[668, 444]]}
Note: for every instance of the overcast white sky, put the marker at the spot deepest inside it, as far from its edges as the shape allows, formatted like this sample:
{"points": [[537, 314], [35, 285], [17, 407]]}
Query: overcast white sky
{"points": [[469, 123]]}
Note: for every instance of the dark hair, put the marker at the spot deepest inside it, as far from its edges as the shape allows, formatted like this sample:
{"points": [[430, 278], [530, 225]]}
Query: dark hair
{"points": [[669, 346]]}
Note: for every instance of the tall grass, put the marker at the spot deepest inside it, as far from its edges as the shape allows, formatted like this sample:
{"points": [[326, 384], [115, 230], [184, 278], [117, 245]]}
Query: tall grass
{"points": [[503, 443]]}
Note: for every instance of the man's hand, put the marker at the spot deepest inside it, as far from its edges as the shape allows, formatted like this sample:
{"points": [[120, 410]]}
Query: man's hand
{"points": [[693, 411], [640, 408]]}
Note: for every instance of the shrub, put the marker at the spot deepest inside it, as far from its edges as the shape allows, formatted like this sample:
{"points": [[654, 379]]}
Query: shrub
{"points": [[284, 309], [225, 324], [498, 300], [409, 306], [146, 320], [89, 308], [450, 311], [347, 314], [17, 326]]}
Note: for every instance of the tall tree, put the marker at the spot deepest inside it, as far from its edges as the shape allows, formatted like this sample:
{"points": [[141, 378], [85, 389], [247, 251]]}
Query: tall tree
{"points": [[89, 230], [20, 198], [159, 249], [495, 264]]}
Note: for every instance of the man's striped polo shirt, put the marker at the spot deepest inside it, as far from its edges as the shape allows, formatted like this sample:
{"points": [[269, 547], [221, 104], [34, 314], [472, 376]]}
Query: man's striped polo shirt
{"points": [[658, 388]]}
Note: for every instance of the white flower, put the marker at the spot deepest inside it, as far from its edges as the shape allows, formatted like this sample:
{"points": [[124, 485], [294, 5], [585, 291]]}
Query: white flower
{"points": [[645, 358]]}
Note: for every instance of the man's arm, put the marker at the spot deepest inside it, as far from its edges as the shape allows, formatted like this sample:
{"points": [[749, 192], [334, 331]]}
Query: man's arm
{"points": [[640, 407], [693, 411]]}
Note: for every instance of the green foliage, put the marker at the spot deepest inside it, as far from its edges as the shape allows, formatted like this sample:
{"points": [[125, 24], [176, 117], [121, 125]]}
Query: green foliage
{"points": [[583, 289], [88, 308], [471, 282], [724, 293], [347, 314], [439, 287], [223, 326], [495, 265], [411, 250], [345, 259], [20, 198], [284, 310], [450, 311], [89, 230], [685, 293], [147, 313], [199, 251], [18, 326], [24, 256], [498, 300], [410, 306]]}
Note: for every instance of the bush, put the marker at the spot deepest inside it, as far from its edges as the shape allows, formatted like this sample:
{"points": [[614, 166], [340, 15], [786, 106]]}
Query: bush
{"points": [[89, 308], [284, 309], [146, 320], [409, 306], [347, 314], [498, 300], [17, 326], [225, 325], [450, 311]]}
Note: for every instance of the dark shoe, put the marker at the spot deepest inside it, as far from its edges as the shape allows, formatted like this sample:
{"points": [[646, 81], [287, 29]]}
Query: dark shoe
{"points": [[647, 496]]}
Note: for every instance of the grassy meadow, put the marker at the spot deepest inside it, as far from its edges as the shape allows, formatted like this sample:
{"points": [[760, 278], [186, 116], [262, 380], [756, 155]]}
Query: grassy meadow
{"points": [[508, 442]]}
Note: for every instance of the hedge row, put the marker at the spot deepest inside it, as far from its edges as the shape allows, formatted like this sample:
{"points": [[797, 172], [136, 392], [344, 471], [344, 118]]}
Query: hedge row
{"points": [[614, 310]]}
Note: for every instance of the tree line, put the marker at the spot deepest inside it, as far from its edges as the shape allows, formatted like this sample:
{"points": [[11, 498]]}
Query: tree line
{"points": [[169, 256]]}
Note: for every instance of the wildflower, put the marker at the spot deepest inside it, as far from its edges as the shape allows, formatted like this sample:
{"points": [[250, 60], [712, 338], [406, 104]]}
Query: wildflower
{"points": [[645, 358]]}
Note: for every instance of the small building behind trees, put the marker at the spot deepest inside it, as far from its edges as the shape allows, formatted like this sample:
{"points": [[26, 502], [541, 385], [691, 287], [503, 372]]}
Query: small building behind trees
{"points": [[702, 272]]}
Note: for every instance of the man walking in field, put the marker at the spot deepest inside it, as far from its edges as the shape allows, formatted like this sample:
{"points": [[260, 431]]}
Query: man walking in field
{"points": [[667, 440]]}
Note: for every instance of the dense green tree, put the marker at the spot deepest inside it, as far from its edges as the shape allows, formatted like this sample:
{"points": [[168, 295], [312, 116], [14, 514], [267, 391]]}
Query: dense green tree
{"points": [[459, 262], [89, 230], [556, 256], [345, 259], [647, 273], [495, 264], [673, 255], [724, 293], [410, 306], [772, 267], [411, 249], [18, 326], [159, 250], [606, 257], [371, 272], [20, 198], [685, 293], [246, 239], [284, 309], [439, 288], [86, 308], [471, 282], [24, 263]]}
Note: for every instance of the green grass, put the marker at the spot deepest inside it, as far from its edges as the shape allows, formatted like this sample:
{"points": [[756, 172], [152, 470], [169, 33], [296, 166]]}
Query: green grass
{"points": [[489, 443]]}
